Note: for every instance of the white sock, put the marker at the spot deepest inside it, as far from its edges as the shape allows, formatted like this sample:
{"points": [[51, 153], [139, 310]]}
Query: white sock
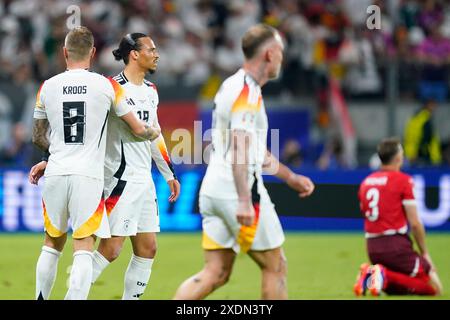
{"points": [[136, 277], [46, 269], [99, 264], [80, 276]]}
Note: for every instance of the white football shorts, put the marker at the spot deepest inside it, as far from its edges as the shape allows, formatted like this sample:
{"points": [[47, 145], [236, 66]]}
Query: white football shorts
{"points": [[78, 198], [132, 207], [221, 229]]}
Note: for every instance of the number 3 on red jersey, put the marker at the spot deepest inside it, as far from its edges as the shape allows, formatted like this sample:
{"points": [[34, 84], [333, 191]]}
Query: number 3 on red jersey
{"points": [[373, 196]]}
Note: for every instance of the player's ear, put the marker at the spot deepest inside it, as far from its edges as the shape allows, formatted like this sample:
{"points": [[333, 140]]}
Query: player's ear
{"points": [[135, 54], [93, 51], [268, 55], [65, 53]]}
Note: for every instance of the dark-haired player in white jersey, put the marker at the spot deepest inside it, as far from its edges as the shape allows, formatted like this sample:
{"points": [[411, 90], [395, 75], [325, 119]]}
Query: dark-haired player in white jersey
{"points": [[74, 106], [130, 193]]}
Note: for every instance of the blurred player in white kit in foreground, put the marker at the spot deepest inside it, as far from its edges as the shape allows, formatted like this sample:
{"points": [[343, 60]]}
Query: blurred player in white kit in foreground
{"points": [[237, 212]]}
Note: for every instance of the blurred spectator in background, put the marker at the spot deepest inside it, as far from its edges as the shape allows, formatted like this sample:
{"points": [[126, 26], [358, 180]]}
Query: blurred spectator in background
{"points": [[422, 145], [332, 156], [362, 76], [434, 55], [291, 155], [5, 119], [430, 15], [21, 91], [19, 151], [446, 153]]}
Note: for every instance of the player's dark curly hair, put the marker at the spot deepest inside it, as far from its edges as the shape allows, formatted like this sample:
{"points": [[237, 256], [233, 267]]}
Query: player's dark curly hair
{"points": [[128, 43]]}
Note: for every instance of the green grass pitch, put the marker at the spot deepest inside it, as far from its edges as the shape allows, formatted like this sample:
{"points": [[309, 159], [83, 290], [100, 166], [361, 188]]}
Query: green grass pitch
{"points": [[320, 266]]}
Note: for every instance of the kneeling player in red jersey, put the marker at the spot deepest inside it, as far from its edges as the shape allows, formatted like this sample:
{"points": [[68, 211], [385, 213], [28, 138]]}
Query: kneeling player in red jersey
{"points": [[387, 202]]}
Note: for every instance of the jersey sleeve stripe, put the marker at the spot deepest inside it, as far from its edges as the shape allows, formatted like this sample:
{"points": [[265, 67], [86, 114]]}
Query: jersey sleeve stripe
{"points": [[409, 202], [38, 97], [163, 149], [242, 103], [118, 91]]}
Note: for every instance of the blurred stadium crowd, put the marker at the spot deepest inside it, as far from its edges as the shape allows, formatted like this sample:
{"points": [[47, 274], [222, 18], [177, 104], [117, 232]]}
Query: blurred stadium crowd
{"points": [[199, 45]]}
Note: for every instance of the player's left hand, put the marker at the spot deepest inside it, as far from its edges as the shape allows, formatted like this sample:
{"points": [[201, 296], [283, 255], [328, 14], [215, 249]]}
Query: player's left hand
{"points": [[303, 185], [175, 188], [36, 172], [427, 257]]}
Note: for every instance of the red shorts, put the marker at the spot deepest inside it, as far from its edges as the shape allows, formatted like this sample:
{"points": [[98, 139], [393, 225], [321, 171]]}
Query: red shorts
{"points": [[397, 254]]}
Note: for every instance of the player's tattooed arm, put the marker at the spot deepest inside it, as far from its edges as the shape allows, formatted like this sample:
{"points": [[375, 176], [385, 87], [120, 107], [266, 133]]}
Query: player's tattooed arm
{"points": [[150, 133], [39, 137], [139, 128]]}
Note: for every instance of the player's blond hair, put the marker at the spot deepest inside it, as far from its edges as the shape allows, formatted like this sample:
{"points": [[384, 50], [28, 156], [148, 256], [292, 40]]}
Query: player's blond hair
{"points": [[79, 42], [255, 37]]}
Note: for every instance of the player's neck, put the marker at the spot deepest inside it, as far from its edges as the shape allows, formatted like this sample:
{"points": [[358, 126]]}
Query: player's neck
{"points": [[256, 72], [390, 167], [134, 74], [72, 65]]}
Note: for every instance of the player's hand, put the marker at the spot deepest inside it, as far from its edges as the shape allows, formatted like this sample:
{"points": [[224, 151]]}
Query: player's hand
{"points": [[152, 131], [303, 185], [155, 134], [427, 257], [36, 172], [245, 212], [175, 188]]}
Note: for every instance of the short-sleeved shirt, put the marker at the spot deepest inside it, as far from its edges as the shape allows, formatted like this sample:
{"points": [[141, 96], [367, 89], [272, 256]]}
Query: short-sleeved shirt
{"points": [[382, 197], [238, 106], [77, 104]]}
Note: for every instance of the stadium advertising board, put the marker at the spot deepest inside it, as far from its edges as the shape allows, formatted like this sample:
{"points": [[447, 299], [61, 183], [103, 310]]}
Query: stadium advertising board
{"points": [[333, 205]]}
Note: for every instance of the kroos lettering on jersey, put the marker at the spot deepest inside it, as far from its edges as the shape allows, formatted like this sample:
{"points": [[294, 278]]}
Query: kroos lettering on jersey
{"points": [[78, 120]]}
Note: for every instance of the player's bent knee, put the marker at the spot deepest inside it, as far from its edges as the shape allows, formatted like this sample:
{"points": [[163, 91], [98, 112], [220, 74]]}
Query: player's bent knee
{"points": [[147, 251], [219, 275], [277, 265], [55, 243], [110, 252]]}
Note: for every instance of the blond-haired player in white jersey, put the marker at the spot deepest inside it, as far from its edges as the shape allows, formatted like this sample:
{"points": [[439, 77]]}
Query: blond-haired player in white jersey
{"points": [[238, 215], [130, 193], [74, 106]]}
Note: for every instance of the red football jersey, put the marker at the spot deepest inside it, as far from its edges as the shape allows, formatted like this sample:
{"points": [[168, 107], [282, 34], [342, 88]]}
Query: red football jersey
{"points": [[382, 196]]}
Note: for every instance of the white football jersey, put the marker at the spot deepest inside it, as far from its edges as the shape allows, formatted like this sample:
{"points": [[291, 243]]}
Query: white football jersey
{"points": [[128, 157], [238, 105], [77, 104]]}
